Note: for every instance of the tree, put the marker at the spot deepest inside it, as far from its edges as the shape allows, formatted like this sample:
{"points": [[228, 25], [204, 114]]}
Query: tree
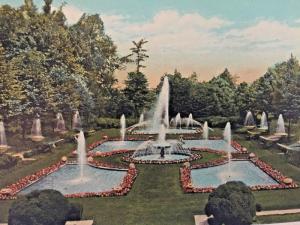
{"points": [[136, 91], [223, 90], [10, 89], [46, 207], [140, 54], [244, 98], [231, 204], [47, 6]]}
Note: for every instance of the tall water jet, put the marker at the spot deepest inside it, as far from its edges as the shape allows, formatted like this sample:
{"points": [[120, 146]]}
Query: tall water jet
{"points": [[161, 112], [249, 120], [36, 129], [123, 127], [81, 153], [190, 121], [178, 120], [3, 142], [60, 124], [264, 121], [205, 131], [227, 138], [280, 129], [76, 121], [141, 120], [162, 134]]}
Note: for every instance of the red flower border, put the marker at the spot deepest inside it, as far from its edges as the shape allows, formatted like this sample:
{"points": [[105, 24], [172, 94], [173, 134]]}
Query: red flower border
{"points": [[186, 181]]}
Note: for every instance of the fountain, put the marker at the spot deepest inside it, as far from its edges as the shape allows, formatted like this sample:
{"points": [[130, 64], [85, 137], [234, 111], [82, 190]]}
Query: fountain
{"points": [[280, 129], [81, 154], [178, 120], [161, 115], [76, 125], [36, 129], [3, 142], [190, 121], [162, 107], [227, 137], [249, 120], [264, 122], [159, 148], [123, 127], [205, 131], [60, 124], [141, 120]]}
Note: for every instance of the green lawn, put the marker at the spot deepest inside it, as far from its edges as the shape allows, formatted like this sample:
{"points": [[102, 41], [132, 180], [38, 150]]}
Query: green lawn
{"points": [[156, 197]]}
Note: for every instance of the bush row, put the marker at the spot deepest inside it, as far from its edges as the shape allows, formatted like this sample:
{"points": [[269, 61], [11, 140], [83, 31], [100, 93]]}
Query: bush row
{"points": [[104, 122]]}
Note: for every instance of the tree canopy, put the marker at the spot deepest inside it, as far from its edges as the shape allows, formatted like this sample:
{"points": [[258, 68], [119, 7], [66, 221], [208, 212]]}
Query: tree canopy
{"points": [[46, 207], [231, 204]]}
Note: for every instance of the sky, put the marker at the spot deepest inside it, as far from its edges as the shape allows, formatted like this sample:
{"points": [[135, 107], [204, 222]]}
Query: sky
{"points": [[202, 36]]}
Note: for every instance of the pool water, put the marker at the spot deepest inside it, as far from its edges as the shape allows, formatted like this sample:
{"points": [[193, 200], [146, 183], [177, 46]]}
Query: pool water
{"points": [[244, 171], [66, 180], [168, 131], [117, 145], [158, 158], [211, 144], [132, 145]]}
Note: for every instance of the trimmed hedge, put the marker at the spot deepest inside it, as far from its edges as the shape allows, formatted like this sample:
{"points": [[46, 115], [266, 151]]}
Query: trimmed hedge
{"points": [[219, 121], [104, 122]]}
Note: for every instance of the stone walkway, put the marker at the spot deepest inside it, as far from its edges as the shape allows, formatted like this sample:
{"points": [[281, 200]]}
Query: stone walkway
{"points": [[202, 219]]}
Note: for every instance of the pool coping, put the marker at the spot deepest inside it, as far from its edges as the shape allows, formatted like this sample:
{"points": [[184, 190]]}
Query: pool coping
{"points": [[10, 191], [186, 180]]}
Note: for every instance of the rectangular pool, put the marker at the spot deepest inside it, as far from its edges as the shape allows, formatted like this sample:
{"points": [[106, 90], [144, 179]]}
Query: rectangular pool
{"points": [[244, 171]]}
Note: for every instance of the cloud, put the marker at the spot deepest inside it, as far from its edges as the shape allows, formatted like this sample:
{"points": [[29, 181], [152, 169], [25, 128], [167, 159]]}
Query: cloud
{"points": [[72, 13], [191, 42]]}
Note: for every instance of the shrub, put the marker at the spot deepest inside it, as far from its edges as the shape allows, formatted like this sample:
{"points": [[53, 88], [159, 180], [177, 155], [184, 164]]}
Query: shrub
{"points": [[46, 207], [219, 121], [103, 122], [7, 161], [258, 207], [231, 204]]}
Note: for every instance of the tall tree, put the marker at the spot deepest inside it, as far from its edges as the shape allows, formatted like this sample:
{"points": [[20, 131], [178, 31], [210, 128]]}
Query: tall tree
{"points": [[136, 91], [140, 53]]}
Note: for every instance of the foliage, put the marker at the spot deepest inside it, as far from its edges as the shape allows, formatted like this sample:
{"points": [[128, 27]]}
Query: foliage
{"points": [[140, 53], [136, 92], [231, 204], [46, 207], [47, 66], [113, 123]]}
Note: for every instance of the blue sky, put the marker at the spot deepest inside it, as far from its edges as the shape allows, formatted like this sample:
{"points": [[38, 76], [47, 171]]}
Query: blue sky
{"points": [[204, 36]]}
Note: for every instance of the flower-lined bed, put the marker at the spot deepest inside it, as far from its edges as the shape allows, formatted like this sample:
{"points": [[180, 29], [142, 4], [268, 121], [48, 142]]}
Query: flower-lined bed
{"points": [[186, 181], [106, 154], [105, 165], [10, 191], [275, 174], [192, 157]]}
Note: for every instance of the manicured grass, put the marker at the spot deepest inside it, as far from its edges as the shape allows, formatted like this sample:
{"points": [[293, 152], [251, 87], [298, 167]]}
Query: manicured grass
{"points": [[278, 219], [157, 197]]}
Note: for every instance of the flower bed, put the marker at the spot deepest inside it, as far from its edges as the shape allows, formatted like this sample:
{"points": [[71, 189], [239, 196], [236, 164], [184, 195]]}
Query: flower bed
{"points": [[105, 165], [186, 182], [10, 191], [192, 157]]}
